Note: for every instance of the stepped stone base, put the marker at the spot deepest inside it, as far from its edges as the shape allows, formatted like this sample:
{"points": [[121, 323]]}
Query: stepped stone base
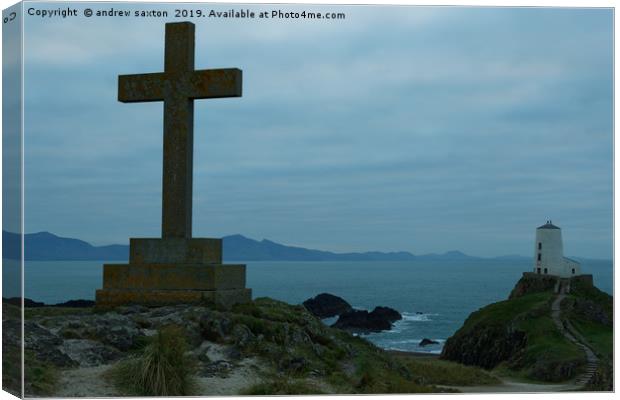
{"points": [[173, 271], [107, 298], [173, 276], [175, 251]]}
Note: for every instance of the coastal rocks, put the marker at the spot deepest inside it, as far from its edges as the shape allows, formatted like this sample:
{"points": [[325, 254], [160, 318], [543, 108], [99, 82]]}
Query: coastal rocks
{"points": [[484, 346], [426, 342], [327, 305], [386, 313], [362, 321]]}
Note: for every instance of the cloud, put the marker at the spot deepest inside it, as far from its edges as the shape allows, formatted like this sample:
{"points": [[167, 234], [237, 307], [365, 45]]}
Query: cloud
{"points": [[420, 129]]}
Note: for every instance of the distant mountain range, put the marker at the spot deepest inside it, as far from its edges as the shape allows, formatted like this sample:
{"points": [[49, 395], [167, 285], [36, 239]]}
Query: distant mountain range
{"points": [[45, 246]]}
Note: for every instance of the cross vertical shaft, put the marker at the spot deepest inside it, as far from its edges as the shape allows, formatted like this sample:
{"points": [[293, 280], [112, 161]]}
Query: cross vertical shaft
{"points": [[178, 86], [178, 134]]}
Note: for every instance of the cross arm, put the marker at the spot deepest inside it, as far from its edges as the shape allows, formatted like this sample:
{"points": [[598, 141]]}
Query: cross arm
{"points": [[213, 83], [141, 87]]}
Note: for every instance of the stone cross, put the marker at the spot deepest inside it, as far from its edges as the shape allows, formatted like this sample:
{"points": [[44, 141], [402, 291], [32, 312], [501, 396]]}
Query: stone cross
{"points": [[177, 87]]}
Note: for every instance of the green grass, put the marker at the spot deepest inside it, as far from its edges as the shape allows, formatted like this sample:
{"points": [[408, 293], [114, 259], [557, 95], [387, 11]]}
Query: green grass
{"points": [[9, 311], [505, 311], [11, 370], [545, 341], [41, 378], [440, 372], [161, 368], [579, 289], [281, 386], [599, 336]]}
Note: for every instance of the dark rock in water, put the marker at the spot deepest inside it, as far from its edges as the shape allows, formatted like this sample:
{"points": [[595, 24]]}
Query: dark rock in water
{"points": [[327, 305], [388, 313], [362, 321], [426, 342], [17, 301], [76, 304]]}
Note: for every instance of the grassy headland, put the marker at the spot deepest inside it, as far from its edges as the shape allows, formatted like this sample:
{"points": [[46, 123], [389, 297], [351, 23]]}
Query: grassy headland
{"points": [[518, 338]]}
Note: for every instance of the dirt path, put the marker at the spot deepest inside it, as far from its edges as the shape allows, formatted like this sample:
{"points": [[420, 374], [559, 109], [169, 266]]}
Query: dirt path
{"points": [[510, 386], [244, 375], [85, 382], [89, 381], [572, 335]]}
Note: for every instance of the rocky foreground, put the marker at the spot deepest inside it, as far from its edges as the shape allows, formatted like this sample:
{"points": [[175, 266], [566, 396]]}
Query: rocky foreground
{"points": [[265, 347]]}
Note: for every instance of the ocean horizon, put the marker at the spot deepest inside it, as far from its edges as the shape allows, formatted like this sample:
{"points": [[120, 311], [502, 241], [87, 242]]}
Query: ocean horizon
{"points": [[434, 297]]}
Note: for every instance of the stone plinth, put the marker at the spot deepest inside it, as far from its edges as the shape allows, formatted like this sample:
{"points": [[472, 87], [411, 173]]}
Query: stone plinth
{"points": [[175, 251], [173, 276], [171, 271], [107, 298]]}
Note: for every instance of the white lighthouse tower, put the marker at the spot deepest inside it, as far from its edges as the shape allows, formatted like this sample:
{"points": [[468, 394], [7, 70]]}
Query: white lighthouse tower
{"points": [[549, 255]]}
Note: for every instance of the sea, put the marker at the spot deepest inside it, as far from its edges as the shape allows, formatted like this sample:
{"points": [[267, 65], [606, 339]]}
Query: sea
{"points": [[434, 297]]}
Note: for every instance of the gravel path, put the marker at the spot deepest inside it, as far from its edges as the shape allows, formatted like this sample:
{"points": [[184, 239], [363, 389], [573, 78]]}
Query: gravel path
{"points": [[85, 382], [89, 381], [509, 386], [572, 335]]}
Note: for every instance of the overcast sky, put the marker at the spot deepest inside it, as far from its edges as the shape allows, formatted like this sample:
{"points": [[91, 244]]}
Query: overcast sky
{"points": [[398, 128]]}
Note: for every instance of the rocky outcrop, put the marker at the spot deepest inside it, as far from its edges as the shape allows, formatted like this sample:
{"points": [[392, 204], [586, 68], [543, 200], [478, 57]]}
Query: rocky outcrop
{"points": [[484, 346], [591, 311], [362, 321], [553, 371], [533, 283], [327, 305], [44, 344]]}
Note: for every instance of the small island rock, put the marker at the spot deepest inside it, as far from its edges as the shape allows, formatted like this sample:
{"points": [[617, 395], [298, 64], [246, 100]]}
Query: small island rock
{"points": [[362, 321], [327, 305], [426, 342]]}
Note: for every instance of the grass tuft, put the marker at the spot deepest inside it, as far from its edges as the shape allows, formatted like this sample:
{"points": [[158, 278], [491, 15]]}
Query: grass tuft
{"points": [[161, 368]]}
